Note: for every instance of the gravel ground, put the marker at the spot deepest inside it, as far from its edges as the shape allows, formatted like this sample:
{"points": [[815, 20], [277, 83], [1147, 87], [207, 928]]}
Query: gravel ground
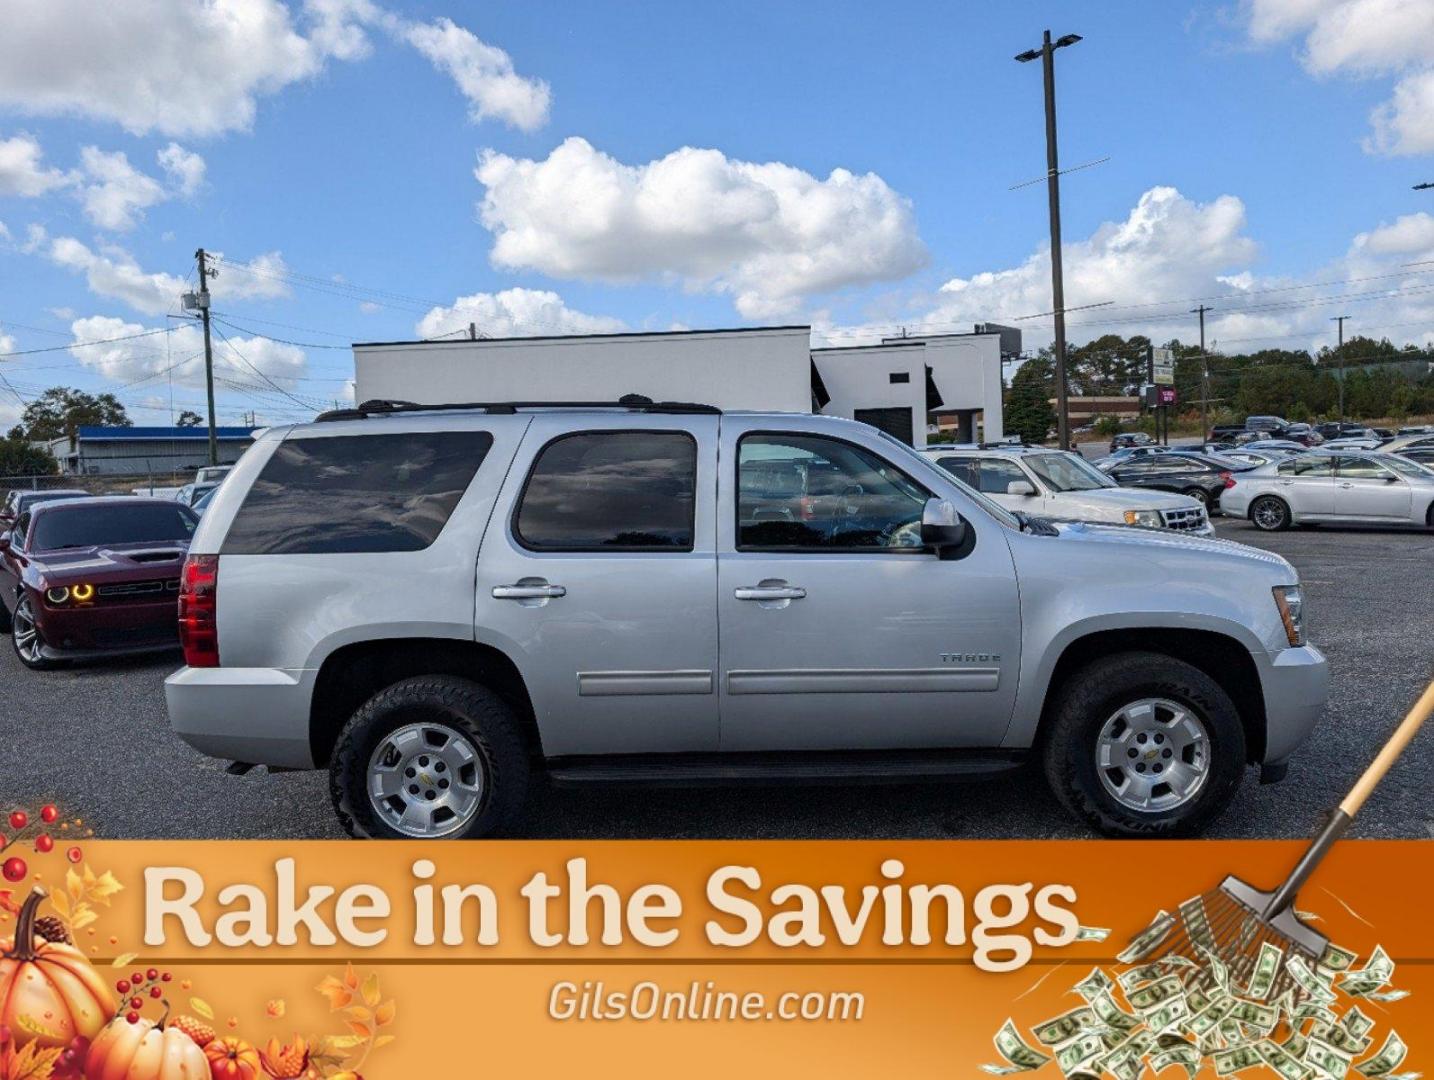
{"points": [[96, 739]]}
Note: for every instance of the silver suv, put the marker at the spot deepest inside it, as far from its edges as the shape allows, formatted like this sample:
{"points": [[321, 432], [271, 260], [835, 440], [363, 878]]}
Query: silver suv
{"points": [[438, 604]]}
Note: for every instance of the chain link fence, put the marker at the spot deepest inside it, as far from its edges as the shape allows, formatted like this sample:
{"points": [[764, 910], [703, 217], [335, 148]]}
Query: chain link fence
{"points": [[162, 484]]}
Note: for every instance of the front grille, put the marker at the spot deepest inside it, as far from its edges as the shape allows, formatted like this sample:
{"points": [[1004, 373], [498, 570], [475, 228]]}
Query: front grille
{"points": [[1184, 520], [137, 590]]}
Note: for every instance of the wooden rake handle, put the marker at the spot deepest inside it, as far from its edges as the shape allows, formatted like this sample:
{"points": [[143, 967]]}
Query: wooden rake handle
{"points": [[1390, 753]]}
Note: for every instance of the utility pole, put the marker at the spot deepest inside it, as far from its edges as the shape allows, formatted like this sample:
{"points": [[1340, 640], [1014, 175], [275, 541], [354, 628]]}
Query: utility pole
{"points": [[472, 331], [1340, 319], [204, 275], [1047, 55], [1204, 375]]}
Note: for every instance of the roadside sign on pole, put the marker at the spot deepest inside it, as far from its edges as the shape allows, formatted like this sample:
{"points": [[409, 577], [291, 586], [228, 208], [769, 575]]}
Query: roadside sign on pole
{"points": [[1162, 366]]}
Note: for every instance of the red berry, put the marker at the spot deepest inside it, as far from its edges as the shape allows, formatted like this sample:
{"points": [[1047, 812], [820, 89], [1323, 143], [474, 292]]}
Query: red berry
{"points": [[44, 844], [122, 986], [155, 991], [19, 819], [137, 978], [74, 854], [166, 977], [152, 974], [15, 869], [136, 1003], [49, 814], [132, 1017]]}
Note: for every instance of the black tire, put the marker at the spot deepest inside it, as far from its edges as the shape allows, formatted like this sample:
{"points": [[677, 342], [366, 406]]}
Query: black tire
{"points": [[1270, 513], [5, 623], [472, 710], [27, 647], [1199, 495], [1100, 690]]}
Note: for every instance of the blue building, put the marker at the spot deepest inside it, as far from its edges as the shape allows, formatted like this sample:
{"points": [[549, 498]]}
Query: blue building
{"points": [[145, 451]]}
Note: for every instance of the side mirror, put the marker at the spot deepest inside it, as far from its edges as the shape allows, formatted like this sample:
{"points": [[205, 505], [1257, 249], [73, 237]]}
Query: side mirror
{"points": [[1391, 479], [942, 528], [1020, 487]]}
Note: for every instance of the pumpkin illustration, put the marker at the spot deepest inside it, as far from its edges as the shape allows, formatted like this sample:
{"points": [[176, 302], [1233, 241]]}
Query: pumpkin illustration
{"points": [[144, 1050], [231, 1058], [49, 993]]}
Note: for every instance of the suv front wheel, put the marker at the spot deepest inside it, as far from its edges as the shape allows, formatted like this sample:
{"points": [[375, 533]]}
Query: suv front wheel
{"points": [[432, 757], [1142, 744]]}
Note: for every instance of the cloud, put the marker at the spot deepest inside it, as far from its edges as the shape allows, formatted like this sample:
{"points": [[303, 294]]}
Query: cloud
{"points": [[484, 74], [1408, 235], [21, 170], [1364, 39], [116, 194], [113, 272], [514, 313], [766, 234], [185, 168], [181, 359]]}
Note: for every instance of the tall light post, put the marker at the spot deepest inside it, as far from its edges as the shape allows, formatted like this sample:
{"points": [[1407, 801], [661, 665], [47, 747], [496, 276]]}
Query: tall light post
{"points": [[1046, 54], [1340, 319]]}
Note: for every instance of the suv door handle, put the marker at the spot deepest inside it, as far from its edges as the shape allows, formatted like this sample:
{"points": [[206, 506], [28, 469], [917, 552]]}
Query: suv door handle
{"points": [[1346, 484], [770, 592], [528, 592]]}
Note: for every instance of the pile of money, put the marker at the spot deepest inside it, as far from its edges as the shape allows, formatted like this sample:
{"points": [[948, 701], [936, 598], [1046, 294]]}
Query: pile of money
{"points": [[1299, 1018]]}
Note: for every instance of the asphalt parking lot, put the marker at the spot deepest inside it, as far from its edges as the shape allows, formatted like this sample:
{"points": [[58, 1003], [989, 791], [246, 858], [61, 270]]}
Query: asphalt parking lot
{"points": [[96, 740]]}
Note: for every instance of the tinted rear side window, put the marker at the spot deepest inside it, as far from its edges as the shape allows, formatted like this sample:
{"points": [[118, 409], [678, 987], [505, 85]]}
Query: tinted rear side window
{"points": [[356, 493], [611, 491]]}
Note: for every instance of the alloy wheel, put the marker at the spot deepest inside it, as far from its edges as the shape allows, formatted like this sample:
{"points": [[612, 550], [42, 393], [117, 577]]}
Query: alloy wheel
{"points": [[1153, 755], [1269, 514], [25, 634], [426, 780]]}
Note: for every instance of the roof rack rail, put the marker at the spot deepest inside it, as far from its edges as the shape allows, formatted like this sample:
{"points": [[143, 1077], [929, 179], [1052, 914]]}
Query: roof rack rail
{"points": [[633, 402]]}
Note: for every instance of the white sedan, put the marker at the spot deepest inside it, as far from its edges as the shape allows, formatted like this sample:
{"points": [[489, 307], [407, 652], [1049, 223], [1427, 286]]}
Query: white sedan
{"points": [[1355, 486]]}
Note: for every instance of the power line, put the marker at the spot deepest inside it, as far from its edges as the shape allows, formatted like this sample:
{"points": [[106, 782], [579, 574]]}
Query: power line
{"points": [[86, 344]]}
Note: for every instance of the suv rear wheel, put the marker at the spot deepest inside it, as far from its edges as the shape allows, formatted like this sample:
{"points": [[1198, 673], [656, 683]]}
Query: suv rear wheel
{"points": [[432, 757], [1142, 744]]}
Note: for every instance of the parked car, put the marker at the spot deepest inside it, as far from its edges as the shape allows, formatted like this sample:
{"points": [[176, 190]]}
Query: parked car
{"points": [[1347, 443], [201, 504], [437, 604], [1288, 446], [21, 499], [1065, 487], [1422, 456], [1331, 429], [190, 494], [1129, 439], [1418, 429], [1257, 457], [1345, 486], [1302, 434], [93, 577], [1271, 426], [1227, 432], [212, 474], [1383, 432], [1411, 441], [1199, 476]]}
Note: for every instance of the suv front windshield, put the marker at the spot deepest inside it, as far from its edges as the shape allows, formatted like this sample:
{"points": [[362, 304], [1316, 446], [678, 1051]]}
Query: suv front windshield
{"points": [[1066, 472]]}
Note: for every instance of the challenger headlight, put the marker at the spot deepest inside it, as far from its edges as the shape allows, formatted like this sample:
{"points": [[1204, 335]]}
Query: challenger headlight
{"points": [[1291, 604], [1150, 519], [57, 594], [83, 593]]}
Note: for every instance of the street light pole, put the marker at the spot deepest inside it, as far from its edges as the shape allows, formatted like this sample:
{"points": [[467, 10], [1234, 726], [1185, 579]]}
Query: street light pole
{"points": [[1340, 319], [1046, 53]]}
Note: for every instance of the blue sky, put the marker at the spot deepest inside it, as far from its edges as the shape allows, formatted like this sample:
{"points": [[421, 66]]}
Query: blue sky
{"points": [[1257, 146]]}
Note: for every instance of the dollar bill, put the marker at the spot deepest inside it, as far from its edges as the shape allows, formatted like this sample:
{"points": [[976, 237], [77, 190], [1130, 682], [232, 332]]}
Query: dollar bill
{"points": [[1020, 1056], [1236, 1059], [1085, 1048], [1308, 981], [1336, 959], [1143, 973], [1267, 966], [1374, 975], [1281, 1060], [1296, 1044], [1197, 923], [1209, 1018], [1387, 995], [1063, 1028], [1151, 996], [1312, 1010], [1355, 1022], [1094, 984], [1092, 933], [1168, 1015], [1257, 1015], [1391, 1055], [1327, 1059], [1149, 939], [1186, 1056], [1340, 1037], [1112, 1015], [1219, 973]]}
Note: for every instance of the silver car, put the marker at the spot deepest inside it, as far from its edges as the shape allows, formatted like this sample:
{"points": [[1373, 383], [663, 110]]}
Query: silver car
{"points": [[1346, 485]]}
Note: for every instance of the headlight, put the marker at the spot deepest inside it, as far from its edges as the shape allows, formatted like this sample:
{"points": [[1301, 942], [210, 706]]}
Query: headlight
{"points": [[57, 594], [1291, 604], [83, 592], [1150, 519]]}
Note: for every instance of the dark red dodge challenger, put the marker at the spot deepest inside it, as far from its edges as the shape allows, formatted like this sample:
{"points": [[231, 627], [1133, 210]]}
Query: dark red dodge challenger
{"points": [[95, 577]]}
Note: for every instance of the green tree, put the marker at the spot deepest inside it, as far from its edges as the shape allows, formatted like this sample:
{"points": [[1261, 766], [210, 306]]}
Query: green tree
{"points": [[189, 419], [61, 409], [20, 457], [1028, 402]]}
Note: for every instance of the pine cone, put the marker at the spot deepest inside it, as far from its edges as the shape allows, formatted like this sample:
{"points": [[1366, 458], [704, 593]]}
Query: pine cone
{"points": [[197, 1030], [52, 929]]}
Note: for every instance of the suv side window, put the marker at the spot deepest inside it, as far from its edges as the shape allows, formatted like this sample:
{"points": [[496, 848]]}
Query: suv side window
{"points": [[356, 493], [839, 497], [996, 473], [611, 491]]}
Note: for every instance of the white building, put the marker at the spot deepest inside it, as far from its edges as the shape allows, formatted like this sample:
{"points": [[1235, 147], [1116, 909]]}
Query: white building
{"points": [[903, 385]]}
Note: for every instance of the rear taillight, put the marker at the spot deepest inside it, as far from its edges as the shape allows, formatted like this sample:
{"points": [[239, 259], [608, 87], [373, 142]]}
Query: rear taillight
{"points": [[1228, 480], [198, 602]]}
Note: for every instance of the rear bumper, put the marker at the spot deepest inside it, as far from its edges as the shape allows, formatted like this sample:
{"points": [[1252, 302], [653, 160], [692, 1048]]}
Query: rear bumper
{"points": [[1296, 688], [254, 715]]}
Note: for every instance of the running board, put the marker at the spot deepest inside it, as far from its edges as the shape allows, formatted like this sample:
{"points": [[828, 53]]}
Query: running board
{"points": [[872, 767]]}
